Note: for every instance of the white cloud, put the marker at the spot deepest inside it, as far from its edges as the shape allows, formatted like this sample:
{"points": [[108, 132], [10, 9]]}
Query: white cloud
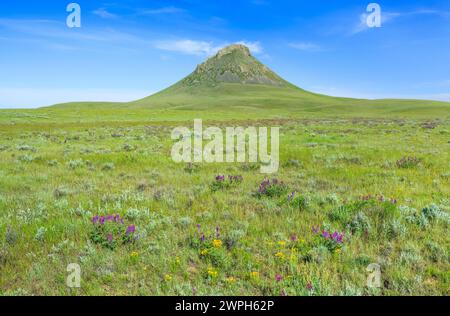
{"points": [[306, 46], [164, 10], [187, 46], [103, 13], [201, 48]]}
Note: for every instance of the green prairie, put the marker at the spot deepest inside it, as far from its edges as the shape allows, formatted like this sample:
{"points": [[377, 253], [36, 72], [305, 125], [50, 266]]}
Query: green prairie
{"points": [[374, 172]]}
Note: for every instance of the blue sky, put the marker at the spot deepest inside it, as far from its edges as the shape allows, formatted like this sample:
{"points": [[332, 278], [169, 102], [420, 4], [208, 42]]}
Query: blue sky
{"points": [[129, 49]]}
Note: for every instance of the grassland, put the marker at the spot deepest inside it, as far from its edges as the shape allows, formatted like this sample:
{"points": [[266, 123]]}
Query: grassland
{"points": [[376, 171]]}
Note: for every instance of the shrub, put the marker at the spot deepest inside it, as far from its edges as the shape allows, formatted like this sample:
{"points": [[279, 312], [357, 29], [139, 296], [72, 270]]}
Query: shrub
{"points": [[408, 162], [431, 212], [108, 166], [11, 236], [40, 234], [74, 164], [297, 201], [274, 188], [394, 229], [342, 214], [360, 224], [110, 231], [221, 182]]}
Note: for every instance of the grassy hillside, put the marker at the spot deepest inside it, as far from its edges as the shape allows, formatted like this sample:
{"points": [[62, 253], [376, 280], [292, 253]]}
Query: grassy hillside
{"points": [[231, 85], [232, 101]]}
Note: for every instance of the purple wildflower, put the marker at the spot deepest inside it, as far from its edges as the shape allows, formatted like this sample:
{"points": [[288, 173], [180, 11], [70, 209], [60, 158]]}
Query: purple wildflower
{"points": [[95, 219], [294, 238], [220, 178], [102, 220], [278, 278], [110, 237], [131, 229], [309, 286], [202, 238], [291, 196], [325, 234]]}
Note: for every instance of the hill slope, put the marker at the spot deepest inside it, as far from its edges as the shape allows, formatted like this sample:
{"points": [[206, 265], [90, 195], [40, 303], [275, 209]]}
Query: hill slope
{"points": [[234, 85], [233, 81]]}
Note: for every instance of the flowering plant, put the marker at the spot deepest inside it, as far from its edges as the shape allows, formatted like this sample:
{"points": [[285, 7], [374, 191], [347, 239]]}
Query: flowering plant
{"points": [[111, 231], [272, 188], [332, 241], [221, 182]]}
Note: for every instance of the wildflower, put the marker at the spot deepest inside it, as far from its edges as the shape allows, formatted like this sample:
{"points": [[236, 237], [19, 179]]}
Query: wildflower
{"points": [[168, 277], [102, 220], [220, 178], [212, 272], [291, 196], [95, 219], [294, 238], [278, 278], [230, 280], [131, 229], [279, 255], [217, 243], [204, 252], [282, 243], [202, 238], [325, 234], [110, 237], [134, 254], [177, 260], [338, 250], [337, 237], [254, 274], [309, 286]]}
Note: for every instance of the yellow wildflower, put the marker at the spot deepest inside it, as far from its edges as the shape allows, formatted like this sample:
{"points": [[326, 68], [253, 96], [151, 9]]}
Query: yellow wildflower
{"points": [[168, 277], [338, 250], [282, 243], [212, 273], [217, 243], [177, 260], [230, 280], [254, 274], [134, 254], [204, 252], [279, 255]]}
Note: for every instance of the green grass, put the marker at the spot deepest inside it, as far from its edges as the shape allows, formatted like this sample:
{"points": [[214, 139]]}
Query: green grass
{"points": [[374, 170], [62, 165], [229, 101]]}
